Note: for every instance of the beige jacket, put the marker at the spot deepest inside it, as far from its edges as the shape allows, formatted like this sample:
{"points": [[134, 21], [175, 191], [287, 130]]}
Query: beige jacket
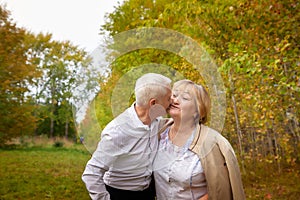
{"points": [[219, 163]]}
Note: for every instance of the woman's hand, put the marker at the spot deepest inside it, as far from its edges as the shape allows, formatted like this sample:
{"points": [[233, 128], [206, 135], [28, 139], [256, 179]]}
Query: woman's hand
{"points": [[205, 197]]}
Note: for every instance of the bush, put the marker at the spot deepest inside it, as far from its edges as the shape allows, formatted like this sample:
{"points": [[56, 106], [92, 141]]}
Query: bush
{"points": [[58, 144]]}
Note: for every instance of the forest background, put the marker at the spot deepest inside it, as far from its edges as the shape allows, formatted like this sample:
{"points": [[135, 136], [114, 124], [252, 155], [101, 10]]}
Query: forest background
{"points": [[254, 44]]}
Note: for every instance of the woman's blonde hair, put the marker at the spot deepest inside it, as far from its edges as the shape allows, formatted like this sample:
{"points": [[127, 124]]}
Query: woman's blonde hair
{"points": [[201, 97]]}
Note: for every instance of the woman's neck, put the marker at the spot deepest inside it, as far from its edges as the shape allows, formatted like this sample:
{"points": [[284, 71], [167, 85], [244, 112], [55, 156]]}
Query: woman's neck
{"points": [[182, 126], [180, 132]]}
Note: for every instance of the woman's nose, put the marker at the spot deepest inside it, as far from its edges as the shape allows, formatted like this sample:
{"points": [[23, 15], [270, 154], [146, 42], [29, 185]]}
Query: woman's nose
{"points": [[174, 99]]}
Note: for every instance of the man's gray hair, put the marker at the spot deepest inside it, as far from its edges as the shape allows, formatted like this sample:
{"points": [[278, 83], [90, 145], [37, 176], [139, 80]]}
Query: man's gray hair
{"points": [[151, 85]]}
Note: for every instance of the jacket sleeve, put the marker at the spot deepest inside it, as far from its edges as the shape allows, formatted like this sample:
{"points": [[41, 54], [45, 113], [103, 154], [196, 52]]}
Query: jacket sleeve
{"points": [[217, 175], [234, 171], [220, 166]]}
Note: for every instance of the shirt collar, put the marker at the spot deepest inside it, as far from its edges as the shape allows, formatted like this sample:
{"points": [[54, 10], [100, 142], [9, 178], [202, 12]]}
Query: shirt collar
{"points": [[136, 120]]}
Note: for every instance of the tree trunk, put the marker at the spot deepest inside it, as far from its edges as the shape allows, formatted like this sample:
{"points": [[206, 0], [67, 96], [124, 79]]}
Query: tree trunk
{"points": [[237, 121], [52, 124], [52, 114], [67, 129], [277, 157]]}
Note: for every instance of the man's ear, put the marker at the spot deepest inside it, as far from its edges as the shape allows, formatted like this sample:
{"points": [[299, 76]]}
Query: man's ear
{"points": [[152, 102]]}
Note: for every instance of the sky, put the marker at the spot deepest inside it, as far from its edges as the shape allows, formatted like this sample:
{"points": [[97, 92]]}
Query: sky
{"points": [[78, 21]]}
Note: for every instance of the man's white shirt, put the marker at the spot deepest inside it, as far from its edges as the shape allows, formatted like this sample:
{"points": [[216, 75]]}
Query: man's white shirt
{"points": [[124, 156]]}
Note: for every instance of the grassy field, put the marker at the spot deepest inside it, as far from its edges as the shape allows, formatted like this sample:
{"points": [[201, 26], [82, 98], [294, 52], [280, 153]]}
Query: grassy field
{"points": [[55, 173], [42, 173]]}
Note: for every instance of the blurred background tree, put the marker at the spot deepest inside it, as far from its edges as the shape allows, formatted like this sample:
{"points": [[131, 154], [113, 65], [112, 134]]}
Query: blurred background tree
{"points": [[256, 46], [38, 77]]}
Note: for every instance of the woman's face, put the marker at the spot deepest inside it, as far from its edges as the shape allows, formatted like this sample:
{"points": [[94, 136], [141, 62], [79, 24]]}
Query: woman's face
{"points": [[183, 104]]}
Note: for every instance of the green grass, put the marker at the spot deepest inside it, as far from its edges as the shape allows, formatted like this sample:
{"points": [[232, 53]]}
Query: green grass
{"points": [[55, 173], [42, 173]]}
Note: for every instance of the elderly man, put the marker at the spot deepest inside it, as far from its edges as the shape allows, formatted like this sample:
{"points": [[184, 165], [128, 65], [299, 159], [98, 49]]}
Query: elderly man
{"points": [[121, 166]]}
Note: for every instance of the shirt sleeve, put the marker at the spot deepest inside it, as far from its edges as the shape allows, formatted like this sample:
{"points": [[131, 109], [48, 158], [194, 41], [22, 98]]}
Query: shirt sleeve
{"points": [[93, 179], [104, 156]]}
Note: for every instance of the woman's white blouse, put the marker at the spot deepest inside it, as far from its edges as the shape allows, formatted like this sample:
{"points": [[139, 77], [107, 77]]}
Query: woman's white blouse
{"points": [[178, 171]]}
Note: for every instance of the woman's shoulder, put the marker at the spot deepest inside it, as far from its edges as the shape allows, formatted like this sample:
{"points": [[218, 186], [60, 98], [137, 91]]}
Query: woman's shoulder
{"points": [[212, 134], [214, 138], [163, 124], [206, 139]]}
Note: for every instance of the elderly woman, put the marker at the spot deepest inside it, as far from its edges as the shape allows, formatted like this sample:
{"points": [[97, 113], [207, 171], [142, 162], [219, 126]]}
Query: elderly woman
{"points": [[193, 160]]}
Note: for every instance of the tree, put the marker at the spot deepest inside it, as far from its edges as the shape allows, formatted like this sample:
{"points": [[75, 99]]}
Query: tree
{"points": [[256, 47], [60, 64], [15, 78]]}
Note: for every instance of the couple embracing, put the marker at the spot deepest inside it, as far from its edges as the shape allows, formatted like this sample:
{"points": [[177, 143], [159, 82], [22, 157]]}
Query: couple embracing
{"points": [[142, 156]]}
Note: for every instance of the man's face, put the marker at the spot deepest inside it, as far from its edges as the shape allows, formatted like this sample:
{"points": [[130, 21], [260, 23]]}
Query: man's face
{"points": [[165, 101], [161, 106]]}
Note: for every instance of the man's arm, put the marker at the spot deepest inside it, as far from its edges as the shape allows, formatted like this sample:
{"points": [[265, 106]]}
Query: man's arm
{"points": [[104, 156], [93, 179]]}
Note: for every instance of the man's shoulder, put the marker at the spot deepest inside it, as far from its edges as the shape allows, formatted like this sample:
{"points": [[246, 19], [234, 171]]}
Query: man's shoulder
{"points": [[119, 120], [119, 127]]}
